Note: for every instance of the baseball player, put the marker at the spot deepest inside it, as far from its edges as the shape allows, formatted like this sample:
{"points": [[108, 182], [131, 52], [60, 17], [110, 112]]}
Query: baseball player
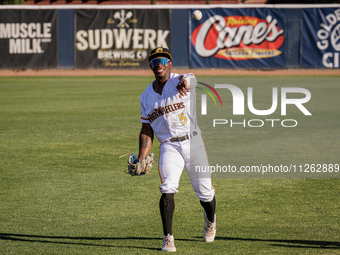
{"points": [[168, 111]]}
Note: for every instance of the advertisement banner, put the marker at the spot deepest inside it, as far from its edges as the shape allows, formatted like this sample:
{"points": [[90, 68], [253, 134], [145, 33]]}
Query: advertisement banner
{"points": [[320, 37], [28, 39], [119, 38], [238, 38]]}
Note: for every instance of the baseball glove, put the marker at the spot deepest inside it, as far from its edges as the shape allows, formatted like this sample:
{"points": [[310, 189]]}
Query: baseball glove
{"points": [[139, 168]]}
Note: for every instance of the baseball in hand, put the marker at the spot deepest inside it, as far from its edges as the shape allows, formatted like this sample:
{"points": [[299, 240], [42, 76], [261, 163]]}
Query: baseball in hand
{"points": [[197, 15]]}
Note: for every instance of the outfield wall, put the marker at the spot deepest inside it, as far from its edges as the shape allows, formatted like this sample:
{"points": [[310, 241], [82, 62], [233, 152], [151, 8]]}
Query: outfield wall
{"points": [[121, 37]]}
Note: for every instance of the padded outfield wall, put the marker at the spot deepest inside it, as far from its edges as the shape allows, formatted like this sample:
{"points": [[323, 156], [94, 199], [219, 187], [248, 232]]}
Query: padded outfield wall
{"points": [[121, 37]]}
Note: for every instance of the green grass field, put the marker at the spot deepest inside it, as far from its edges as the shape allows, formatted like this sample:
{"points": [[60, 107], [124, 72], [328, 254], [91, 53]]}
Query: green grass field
{"points": [[63, 189]]}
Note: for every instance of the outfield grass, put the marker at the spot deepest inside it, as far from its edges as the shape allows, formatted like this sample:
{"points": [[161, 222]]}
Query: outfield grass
{"points": [[63, 189]]}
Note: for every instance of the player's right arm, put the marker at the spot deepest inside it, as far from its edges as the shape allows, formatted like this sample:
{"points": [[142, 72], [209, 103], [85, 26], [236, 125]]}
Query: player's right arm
{"points": [[145, 140], [188, 82]]}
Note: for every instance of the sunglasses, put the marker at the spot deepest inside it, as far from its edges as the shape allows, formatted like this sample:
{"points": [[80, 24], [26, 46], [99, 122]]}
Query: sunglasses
{"points": [[163, 61]]}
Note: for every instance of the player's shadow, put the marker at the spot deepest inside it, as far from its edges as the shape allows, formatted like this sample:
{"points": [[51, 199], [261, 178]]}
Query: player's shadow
{"points": [[74, 240], [289, 243], [86, 241]]}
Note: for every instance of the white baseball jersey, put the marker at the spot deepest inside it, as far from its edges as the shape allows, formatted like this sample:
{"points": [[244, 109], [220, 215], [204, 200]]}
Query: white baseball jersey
{"points": [[168, 114]]}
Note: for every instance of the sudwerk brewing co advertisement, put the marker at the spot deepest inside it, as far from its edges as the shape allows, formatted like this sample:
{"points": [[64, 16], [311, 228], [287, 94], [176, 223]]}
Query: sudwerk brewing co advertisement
{"points": [[119, 38]]}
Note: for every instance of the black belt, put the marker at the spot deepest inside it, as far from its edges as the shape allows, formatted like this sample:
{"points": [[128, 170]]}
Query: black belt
{"points": [[181, 138]]}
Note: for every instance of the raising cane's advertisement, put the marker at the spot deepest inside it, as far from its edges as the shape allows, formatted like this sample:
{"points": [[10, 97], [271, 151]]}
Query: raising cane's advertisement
{"points": [[238, 38]]}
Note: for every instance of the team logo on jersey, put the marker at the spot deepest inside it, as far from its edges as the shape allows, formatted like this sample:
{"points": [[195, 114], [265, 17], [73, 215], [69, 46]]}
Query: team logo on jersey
{"points": [[160, 111]]}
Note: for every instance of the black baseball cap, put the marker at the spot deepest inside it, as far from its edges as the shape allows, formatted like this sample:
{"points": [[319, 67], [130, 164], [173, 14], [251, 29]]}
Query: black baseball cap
{"points": [[159, 52]]}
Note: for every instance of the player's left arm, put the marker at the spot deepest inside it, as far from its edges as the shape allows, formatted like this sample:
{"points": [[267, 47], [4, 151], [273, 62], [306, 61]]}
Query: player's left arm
{"points": [[145, 140]]}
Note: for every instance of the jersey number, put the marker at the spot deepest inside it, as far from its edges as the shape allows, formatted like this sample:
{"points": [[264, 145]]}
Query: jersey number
{"points": [[183, 119]]}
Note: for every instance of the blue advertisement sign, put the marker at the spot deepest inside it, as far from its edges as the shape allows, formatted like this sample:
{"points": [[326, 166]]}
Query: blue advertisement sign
{"points": [[237, 38], [320, 33]]}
